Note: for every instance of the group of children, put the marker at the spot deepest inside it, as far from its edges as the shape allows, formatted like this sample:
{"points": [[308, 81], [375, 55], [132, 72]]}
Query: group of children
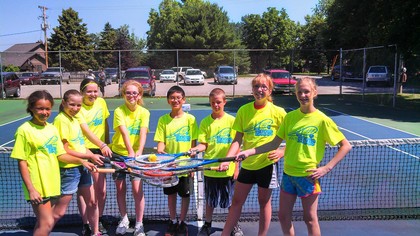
{"points": [[80, 132]]}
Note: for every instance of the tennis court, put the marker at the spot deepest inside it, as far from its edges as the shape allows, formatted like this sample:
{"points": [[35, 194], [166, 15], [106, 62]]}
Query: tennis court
{"points": [[376, 183]]}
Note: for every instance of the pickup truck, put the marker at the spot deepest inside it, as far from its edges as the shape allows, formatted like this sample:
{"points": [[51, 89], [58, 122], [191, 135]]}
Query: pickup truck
{"points": [[55, 75]]}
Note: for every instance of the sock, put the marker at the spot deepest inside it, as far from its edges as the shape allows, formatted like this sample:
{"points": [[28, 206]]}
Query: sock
{"points": [[174, 221], [139, 223]]}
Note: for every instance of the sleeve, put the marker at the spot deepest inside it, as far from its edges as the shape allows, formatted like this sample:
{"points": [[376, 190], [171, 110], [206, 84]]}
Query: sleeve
{"points": [[146, 119], [118, 118], [194, 128], [20, 149], [332, 134], [202, 132], [160, 131], [62, 128], [237, 124]]}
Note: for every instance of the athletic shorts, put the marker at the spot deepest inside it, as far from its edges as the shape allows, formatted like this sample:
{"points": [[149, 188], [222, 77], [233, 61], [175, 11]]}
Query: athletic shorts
{"points": [[264, 178], [122, 176], [218, 191], [183, 188], [73, 178], [300, 186]]}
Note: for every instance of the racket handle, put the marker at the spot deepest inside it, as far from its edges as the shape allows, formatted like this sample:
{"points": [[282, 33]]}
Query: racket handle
{"points": [[211, 168], [106, 171], [225, 159]]}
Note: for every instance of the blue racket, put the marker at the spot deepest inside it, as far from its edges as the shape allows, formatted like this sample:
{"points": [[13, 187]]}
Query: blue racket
{"points": [[162, 158], [191, 163]]}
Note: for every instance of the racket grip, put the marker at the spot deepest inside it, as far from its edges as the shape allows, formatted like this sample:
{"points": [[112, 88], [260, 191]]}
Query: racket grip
{"points": [[225, 159], [106, 171], [212, 168]]}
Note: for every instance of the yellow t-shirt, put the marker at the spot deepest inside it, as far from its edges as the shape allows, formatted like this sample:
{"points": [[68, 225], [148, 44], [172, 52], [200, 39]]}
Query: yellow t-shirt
{"points": [[39, 146], [306, 136], [259, 126], [95, 117], [177, 133], [69, 129], [133, 121], [218, 134]]}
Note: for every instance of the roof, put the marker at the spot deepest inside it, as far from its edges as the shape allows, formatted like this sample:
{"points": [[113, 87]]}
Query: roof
{"points": [[276, 70], [18, 54]]}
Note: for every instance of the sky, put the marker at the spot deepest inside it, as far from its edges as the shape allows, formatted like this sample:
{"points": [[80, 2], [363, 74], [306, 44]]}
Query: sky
{"points": [[20, 20]]}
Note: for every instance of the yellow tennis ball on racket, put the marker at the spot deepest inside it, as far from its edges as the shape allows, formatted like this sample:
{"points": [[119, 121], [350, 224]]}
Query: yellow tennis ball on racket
{"points": [[152, 158]]}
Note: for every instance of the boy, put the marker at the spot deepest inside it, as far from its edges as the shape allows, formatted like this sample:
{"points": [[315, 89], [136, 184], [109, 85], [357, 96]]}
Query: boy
{"points": [[177, 132], [215, 136]]}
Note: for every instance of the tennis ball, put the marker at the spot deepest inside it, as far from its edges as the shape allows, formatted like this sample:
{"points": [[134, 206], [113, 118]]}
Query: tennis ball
{"points": [[152, 158]]}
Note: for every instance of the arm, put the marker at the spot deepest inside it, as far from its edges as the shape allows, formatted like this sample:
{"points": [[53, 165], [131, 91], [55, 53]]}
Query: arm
{"points": [[143, 136], [87, 155], [126, 138], [106, 151], [67, 158], [235, 147], [270, 146], [201, 147], [161, 147], [34, 195], [319, 172]]}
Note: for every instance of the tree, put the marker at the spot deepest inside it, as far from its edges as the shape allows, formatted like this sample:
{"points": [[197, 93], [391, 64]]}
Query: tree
{"points": [[107, 42], [71, 38]]}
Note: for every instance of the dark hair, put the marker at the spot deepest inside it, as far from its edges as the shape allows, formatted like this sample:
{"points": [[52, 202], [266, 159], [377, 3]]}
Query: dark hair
{"points": [[67, 95], [175, 89], [85, 82], [35, 97]]}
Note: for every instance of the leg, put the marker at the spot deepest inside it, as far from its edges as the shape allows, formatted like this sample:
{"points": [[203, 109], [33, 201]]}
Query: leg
{"points": [[264, 200], [172, 206], [121, 187], [287, 201], [44, 219], [81, 204], [185, 204], [60, 207], [239, 197], [88, 194], [310, 214], [100, 191], [139, 202]]}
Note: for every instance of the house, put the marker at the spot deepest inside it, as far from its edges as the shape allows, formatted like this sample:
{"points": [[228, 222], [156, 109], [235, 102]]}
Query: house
{"points": [[26, 56]]}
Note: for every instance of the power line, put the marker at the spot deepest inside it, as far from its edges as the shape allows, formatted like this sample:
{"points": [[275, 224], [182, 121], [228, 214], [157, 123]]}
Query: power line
{"points": [[27, 32]]}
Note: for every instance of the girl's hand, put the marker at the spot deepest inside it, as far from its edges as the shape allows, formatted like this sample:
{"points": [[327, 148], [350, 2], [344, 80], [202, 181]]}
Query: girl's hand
{"points": [[35, 197], [224, 166], [276, 155], [90, 166], [318, 172], [138, 153], [106, 151], [97, 159]]}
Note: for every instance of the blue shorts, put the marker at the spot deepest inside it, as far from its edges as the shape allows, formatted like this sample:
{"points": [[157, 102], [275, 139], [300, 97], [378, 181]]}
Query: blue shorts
{"points": [[300, 186], [265, 177], [218, 191], [73, 178]]}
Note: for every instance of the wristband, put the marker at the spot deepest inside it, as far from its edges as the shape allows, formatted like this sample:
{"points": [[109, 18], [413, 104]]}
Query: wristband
{"points": [[103, 145]]}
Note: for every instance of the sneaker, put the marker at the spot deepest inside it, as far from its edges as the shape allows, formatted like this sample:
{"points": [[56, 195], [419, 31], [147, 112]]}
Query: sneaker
{"points": [[86, 230], [98, 234], [172, 229], [122, 227], [205, 230], [102, 228], [237, 231], [182, 229], [139, 230]]}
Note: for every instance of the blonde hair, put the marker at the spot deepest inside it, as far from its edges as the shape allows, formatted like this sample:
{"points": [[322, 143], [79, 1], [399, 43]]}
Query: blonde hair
{"points": [[138, 86], [310, 80], [217, 91], [261, 78]]}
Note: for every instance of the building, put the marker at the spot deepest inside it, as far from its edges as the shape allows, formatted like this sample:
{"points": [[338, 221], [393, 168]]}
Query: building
{"points": [[26, 56]]}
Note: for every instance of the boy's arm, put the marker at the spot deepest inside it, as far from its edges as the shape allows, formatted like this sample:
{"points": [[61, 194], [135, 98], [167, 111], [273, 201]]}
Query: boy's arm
{"points": [[201, 147], [161, 147]]}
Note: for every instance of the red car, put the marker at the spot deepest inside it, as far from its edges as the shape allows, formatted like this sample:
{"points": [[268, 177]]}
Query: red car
{"points": [[143, 75], [30, 78], [282, 79], [9, 84]]}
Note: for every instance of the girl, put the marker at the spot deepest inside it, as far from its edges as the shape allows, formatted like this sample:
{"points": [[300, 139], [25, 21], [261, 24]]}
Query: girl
{"points": [[93, 119], [38, 150], [306, 131], [256, 123], [75, 178], [131, 123]]}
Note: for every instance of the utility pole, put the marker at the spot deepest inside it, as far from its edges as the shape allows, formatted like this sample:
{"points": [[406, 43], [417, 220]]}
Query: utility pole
{"points": [[44, 27]]}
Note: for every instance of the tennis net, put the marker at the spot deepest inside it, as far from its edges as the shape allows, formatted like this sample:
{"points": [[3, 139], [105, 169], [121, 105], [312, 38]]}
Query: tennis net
{"points": [[378, 179]]}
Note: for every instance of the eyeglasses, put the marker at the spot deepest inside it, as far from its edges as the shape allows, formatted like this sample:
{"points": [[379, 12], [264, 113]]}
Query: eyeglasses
{"points": [[175, 98], [263, 87], [134, 94]]}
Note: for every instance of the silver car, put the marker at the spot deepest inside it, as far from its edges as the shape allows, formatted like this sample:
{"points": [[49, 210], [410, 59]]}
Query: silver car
{"points": [[167, 75], [225, 75], [378, 75]]}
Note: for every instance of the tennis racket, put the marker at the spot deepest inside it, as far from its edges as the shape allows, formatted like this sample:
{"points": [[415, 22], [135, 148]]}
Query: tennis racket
{"points": [[191, 163], [161, 158], [163, 173], [132, 163]]}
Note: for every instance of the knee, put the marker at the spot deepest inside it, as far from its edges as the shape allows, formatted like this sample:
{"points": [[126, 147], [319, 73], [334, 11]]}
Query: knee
{"points": [[310, 219]]}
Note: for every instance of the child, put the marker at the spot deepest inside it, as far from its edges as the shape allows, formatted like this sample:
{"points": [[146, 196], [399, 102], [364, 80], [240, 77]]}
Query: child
{"points": [[215, 136], [93, 119], [131, 123], [304, 152], [75, 178], [177, 132], [256, 123], [38, 150]]}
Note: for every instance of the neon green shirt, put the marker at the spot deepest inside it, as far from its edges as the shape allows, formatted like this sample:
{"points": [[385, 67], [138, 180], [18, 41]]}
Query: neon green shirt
{"points": [[39, 146], [218, 135], [69, 129], [133, 121], [95, 117], [178, 133], [259, 127], [306, 136]]}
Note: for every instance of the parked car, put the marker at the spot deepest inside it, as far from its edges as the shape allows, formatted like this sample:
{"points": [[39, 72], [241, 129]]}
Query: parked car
{"points": [[167, 75], [55, 75], [225, 75], [378, 75], [10, 85], [194, 76], [346, 70], [144, 76], [282, 80], [181, 71], [30, 78], [111, 75]]}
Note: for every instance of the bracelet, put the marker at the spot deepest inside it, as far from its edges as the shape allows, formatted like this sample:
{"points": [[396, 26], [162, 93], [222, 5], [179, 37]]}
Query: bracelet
{"points": [[103, 145]]}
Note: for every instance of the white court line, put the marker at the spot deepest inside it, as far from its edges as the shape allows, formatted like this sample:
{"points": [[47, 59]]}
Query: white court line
{"points": [[26, 117]]}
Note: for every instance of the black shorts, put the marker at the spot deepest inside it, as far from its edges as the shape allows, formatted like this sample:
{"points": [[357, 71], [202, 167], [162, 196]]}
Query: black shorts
{"points": [[183, 188], [264, 178], [218, 191]]}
